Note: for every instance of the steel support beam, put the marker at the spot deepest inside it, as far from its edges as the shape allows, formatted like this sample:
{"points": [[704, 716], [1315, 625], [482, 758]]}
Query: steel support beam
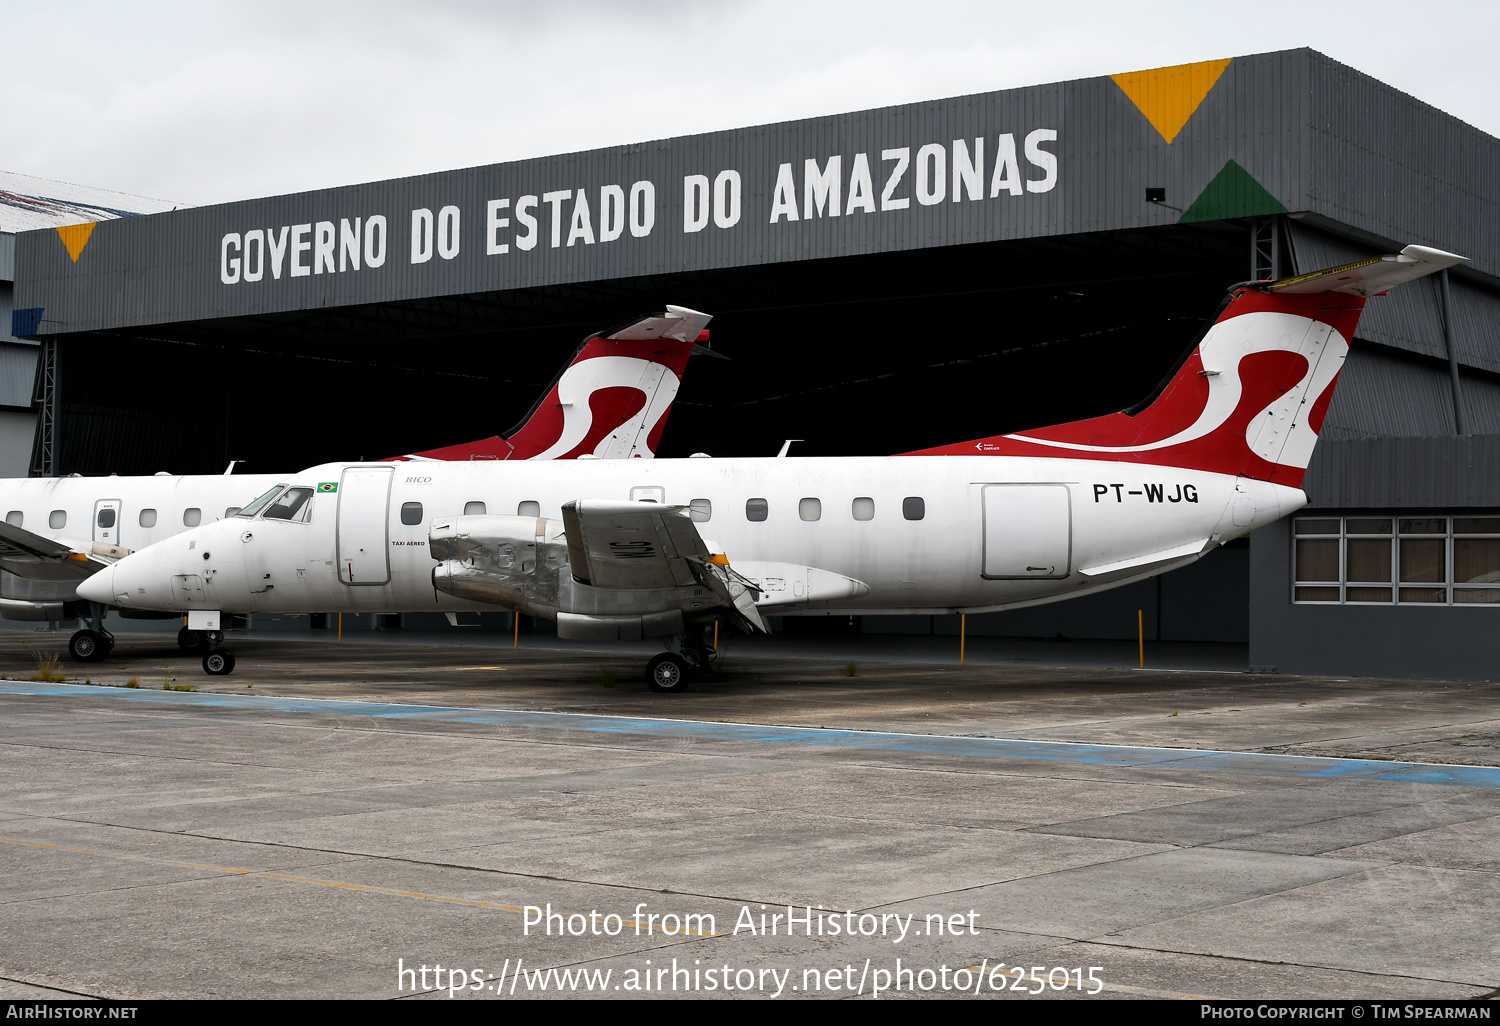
{"points": [[45, 449], [1460, 425]]}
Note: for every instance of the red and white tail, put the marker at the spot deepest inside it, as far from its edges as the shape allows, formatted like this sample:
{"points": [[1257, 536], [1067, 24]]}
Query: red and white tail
{"points": [[1251, 397], [611, 400]]}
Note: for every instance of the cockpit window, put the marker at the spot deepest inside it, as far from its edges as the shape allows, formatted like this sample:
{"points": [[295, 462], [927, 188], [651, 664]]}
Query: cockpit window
{"points": [[290, 506], [260, 503]]}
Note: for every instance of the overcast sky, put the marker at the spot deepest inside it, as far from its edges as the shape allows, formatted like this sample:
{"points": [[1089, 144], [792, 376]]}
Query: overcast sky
{"points": [[207, 101]]}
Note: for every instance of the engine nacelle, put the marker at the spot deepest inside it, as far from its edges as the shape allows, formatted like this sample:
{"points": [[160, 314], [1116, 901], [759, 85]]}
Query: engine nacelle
{"points": [[500, 560], [522, 563]]}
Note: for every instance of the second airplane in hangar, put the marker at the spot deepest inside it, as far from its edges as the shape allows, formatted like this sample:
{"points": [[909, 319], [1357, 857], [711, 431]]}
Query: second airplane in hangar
{"points": [[610, 401], [622, 550]]}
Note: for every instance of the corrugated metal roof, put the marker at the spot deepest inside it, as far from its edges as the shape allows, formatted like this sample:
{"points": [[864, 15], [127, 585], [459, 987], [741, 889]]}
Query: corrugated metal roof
{"points": [[1430, 473], [27, 203]]}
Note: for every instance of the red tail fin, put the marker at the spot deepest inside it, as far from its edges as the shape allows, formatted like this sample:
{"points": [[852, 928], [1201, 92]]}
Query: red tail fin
{"points": [[611, 401], [1251, 396]]}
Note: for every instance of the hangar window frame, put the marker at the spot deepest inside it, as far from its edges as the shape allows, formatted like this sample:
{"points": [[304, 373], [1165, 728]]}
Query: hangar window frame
{"points": [[1396, 558]]}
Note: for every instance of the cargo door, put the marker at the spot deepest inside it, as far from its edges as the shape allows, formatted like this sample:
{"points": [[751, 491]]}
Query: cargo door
{"points": [[107, 521], [364, 519], [1028, 532]]}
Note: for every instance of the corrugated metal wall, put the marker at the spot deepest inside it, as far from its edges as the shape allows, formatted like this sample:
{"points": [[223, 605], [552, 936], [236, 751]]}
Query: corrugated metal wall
{"points": [[1410, 317], [17, 373], [1411, 473], [1381, 394], [1312, 134]]}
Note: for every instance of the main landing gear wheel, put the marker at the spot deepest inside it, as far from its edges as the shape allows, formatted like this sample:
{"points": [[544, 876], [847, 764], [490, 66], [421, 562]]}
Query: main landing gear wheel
{"points": [[88, 646], [667, 674], [190, 640], [218, 663]]}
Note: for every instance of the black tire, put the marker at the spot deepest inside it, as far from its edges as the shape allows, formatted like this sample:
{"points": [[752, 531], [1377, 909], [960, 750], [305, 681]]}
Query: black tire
{"points": [[190, 640], [667, 674], [218, 663], [88, 646]]}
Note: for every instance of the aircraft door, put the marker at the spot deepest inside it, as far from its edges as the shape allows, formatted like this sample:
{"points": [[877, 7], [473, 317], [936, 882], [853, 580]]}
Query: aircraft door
{"points": [[363, 527], [1028, 532], [107, 521]]}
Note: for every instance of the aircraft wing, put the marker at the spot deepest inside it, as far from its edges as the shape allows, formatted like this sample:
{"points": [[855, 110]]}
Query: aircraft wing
{"points": [[34, 558], [632, 545], [646, 546]]}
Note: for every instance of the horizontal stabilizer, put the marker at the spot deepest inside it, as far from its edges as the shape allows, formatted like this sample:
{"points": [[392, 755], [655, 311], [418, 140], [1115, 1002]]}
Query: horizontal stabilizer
{"points": [[1373, 276], [676, 322]]}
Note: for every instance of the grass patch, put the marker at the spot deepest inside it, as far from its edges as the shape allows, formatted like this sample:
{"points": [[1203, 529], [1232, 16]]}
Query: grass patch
{"points": [[1172, 713], [47, 671], [178, 687], [851, 669], [132, 682], [607, 676]]}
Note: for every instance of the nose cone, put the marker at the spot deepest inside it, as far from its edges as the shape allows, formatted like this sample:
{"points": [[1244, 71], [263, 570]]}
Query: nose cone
{"points": [[99, 588]]}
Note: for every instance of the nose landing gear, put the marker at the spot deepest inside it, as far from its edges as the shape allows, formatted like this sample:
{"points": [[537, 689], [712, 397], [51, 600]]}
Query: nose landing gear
{"points": [[92, 644]]}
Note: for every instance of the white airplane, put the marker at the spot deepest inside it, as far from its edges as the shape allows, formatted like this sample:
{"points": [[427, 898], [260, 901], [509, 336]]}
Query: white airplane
{"points": [[610, 401], [621, 550]]}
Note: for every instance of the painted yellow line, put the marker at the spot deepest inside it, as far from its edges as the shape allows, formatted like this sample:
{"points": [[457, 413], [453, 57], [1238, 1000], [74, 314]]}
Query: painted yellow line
{"points": [[388, 891]]}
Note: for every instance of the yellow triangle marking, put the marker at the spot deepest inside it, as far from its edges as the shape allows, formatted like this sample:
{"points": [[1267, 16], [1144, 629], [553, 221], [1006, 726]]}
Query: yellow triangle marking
{"points": [[75, 237], [1168, 96]]}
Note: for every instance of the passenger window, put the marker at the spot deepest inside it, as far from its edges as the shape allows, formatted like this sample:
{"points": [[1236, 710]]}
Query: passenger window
{"points": [[863, 508], [15, 518], [293, 505], [529, 508], [57, 519], [106, 518], [913, 507], [192, 516], [230, 511], [147, 518], [474, 509], [701, 510], [810, 509], [411, 513], [756, 510]]}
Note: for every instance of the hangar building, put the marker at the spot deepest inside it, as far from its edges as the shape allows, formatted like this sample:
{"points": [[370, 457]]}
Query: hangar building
{"points": [[883, 281]]}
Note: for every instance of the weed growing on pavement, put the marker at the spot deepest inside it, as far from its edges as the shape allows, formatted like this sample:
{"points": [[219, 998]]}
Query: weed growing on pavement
{"points": [[47, 671], [851, 669], [607, 676], [131, 682]]}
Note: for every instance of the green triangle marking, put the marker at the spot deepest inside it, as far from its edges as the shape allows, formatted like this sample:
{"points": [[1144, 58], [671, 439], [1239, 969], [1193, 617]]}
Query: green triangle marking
{"points": [[1234, 192]]}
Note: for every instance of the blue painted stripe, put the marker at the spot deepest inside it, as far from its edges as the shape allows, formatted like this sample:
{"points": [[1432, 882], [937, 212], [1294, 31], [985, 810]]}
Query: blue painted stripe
{"points": [[813, 737]]}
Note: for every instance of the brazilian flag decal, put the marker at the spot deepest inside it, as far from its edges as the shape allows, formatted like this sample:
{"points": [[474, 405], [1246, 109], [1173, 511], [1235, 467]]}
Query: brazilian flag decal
{"points": [[328, 486]]}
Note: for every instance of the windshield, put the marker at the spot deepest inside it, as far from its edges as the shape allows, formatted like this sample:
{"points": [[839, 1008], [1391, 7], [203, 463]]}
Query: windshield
{"points": [[260, 503], [290, 505]]}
